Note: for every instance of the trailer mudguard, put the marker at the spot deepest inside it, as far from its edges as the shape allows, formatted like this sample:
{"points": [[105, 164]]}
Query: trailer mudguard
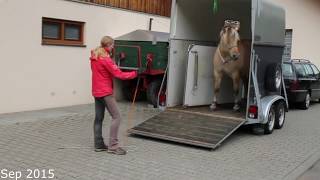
{"points": [[266, 103]]}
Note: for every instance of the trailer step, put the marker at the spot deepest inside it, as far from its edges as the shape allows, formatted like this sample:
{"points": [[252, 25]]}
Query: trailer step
{"points": [[189, 127]]}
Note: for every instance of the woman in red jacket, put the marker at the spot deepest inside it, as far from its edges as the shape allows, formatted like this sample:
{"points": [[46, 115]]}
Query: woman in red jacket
{"points": [[103, 71]]}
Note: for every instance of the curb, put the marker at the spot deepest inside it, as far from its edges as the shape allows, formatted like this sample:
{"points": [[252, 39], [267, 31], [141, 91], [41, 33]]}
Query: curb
{"points": [[303, 167]]}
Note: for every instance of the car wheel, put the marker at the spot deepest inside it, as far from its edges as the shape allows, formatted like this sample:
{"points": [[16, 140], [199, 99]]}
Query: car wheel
{"points": [[306, 102], [269, 126], [273, 77], [280, 115]]}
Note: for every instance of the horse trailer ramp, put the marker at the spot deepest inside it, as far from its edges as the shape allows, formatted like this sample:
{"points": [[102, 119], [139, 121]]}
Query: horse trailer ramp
{"points": [[193, 126]]}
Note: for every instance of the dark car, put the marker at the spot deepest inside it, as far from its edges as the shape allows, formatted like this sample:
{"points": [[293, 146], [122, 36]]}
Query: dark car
{"points": [[302, 80]]}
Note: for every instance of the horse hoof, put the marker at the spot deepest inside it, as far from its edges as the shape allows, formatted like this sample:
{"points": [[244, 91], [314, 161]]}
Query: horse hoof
{"points": [[213, 107], [236, 107]]}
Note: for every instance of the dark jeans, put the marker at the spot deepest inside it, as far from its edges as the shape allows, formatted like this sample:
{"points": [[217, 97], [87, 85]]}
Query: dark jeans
{"points": [[109, 103]]}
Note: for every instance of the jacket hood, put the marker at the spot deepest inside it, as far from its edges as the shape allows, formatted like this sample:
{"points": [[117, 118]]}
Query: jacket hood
{"points": [[93, 56]]}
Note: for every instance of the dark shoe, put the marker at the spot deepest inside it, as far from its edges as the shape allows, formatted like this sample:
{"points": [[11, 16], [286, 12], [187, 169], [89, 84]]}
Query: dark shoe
{"points": [[101, 148], [118, 151]]}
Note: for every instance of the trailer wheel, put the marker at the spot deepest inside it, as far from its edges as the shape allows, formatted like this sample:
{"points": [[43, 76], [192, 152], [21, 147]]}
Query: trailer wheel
{"points": [[273, 77], [306, 102], [128, 91], [280, 115], [153, 91], [269, 126]]}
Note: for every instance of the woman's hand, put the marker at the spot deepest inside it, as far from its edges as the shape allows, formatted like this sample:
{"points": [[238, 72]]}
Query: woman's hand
{"points": [[141, 71]]}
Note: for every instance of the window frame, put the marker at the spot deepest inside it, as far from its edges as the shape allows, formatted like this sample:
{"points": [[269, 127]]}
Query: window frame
{"points": [[291, 68], [62, 41], [314, 67]]}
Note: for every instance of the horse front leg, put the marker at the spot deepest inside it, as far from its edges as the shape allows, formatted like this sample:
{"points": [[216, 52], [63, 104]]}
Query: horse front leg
{"points": [[236, 89], [217, 82]]}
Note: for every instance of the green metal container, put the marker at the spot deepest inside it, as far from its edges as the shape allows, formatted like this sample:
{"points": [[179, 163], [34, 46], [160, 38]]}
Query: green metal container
{"points": [[147, 50], [143, 49]]}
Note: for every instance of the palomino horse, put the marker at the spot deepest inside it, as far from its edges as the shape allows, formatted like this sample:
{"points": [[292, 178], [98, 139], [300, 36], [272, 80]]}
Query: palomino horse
{"points": [[232, 58]]}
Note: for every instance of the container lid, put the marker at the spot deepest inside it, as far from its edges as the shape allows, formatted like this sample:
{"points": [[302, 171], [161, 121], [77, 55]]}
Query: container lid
{"points": [[143, 35]]}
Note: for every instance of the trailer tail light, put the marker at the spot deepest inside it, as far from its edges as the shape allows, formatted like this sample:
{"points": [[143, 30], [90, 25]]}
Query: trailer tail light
{"points": [[253, 112]]}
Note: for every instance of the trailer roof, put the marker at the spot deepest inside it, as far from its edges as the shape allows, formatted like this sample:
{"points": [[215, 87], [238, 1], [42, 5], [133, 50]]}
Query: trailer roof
{"points": [[143, 35]]}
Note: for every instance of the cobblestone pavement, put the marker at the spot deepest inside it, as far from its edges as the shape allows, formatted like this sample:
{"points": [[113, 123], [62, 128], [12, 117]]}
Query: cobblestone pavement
{"points": [[62, 139]]}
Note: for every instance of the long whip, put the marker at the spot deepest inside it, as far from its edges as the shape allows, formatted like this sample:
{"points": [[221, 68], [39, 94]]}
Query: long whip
{"points": [[130, 114]]}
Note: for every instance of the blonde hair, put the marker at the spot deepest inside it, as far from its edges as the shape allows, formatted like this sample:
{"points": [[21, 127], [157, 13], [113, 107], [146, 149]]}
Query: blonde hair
{"points": [[100, 51]]}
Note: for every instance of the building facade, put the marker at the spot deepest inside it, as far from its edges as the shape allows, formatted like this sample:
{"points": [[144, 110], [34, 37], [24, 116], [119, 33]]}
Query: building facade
{"points": [[302, 18], [36, 73]]}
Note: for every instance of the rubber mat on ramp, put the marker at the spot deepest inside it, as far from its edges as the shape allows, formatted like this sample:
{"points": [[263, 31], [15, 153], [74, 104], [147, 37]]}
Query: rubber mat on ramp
{"points": [[195, 127]]}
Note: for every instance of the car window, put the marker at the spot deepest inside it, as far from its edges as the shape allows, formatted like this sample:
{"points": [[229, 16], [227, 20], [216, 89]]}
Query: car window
{"points": [[300, 70], [309, 70], [315, 69], [287, 70]]}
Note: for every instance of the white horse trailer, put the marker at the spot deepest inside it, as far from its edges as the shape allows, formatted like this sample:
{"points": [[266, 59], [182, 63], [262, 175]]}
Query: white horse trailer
{"points": [[193, 40]]}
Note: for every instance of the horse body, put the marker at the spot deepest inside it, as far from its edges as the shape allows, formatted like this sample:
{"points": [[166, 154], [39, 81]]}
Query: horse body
{"points": [[232, 58]]}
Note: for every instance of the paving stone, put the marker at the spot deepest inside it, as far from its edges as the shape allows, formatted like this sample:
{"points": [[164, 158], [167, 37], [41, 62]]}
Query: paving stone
{"points": [[63, 141]]}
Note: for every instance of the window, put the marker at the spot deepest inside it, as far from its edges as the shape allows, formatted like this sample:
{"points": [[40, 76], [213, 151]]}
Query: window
{"points": [[308, 70], [288, 45], [315, 69], [300, 70], [287, 70], [62, 32]]}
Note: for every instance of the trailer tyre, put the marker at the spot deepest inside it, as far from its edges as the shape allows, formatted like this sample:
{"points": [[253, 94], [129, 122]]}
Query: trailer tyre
{"points": [[274, 77], [280, 115], [128, 91], [269, 126], [152, 92]]}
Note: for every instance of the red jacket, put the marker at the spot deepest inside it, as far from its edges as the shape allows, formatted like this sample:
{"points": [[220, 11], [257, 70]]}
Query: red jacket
{"points": [[103, 70]]}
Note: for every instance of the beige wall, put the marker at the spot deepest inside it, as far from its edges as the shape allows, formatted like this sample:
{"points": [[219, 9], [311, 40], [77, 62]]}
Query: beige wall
{"points": [[303, 17], [33, 76]]}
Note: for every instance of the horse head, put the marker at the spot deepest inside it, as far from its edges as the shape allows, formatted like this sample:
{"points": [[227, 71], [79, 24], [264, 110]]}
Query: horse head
{"points": [[229, 40]]}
